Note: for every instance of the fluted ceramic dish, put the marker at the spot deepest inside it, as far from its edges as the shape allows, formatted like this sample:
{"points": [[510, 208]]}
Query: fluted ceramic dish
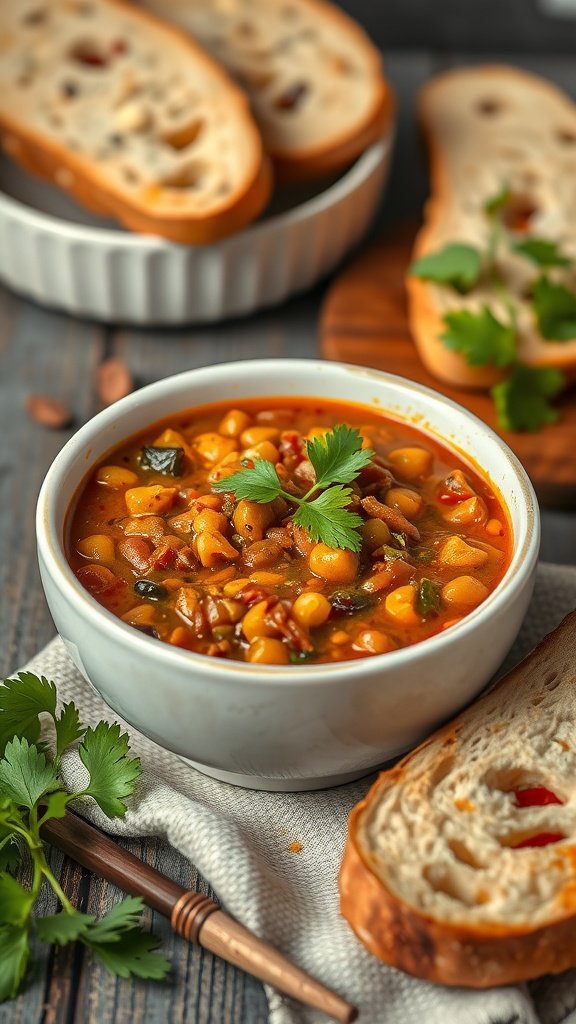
{"points": [[57, 253]]}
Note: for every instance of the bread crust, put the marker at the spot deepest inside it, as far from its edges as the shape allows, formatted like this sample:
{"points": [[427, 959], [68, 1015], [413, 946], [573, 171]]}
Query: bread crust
{"points": [[83, 179], [425, 317], [450, 953]]}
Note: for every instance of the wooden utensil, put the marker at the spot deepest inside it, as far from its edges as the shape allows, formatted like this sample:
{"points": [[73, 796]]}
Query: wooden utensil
{"points": [[364, 320], [192, 914]]}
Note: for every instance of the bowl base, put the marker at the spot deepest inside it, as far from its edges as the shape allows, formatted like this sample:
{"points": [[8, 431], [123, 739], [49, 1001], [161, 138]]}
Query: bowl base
{"points": [[278, 785]]}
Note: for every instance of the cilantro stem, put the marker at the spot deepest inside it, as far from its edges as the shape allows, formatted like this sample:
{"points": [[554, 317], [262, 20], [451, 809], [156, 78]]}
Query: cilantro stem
{"points": [[51, 878]]}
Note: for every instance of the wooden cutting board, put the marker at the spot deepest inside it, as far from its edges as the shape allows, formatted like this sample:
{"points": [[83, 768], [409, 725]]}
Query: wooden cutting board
{"points": [[364, 321]]}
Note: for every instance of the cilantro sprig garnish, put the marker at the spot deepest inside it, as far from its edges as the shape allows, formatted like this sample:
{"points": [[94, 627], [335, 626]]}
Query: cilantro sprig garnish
{"points": [[337, 458], [523, 399], [31, 793]]}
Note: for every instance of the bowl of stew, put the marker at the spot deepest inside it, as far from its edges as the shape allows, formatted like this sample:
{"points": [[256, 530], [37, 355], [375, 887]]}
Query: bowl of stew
{"points": [[268, 648]]}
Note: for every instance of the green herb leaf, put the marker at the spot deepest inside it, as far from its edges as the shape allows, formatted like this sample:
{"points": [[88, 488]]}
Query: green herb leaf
{"points": [[494, 206], [104, 752], [14, 951], [259, 484], [480, 337], [9, 852], [63, 928], [458, 265], [399, 538], [68, 728], [15, 902], [338, 456], [56, 804], [523, 399], [22, 700], [25, 775], [120, 918], [555, 309], [542, 252], [428, 597], [328, 520], [133, 957]]}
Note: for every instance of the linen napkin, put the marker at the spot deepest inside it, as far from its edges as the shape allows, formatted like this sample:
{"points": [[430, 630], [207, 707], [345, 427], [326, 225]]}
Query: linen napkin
{"points": [[273, 861]]}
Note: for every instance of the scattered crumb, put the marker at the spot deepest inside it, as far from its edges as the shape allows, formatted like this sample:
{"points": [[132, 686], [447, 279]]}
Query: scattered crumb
{"points": [[295, 847]]}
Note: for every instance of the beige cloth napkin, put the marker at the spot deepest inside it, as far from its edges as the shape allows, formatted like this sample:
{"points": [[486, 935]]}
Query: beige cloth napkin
{"points": [[238, 839]]}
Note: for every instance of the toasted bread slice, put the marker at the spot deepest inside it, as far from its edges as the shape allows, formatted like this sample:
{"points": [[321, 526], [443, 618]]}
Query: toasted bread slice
{"points": [[129, 116], [488, 129], [434, 880], [313, 77]]}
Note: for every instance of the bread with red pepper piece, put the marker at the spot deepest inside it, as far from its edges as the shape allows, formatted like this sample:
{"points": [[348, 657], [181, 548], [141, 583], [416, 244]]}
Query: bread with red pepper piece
{"points": [[488, 129], [314, 78], [130, 117], [460, 863]]}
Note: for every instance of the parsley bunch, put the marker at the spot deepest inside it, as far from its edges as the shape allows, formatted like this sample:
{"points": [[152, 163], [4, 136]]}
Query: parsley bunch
{"points": [[31, 792], [337, 458], [523, 398]]}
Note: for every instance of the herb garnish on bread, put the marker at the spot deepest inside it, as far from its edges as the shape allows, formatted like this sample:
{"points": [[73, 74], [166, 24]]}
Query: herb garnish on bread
{"points": [[313, 77], [130, 116], [460, 865], [493, 287]]}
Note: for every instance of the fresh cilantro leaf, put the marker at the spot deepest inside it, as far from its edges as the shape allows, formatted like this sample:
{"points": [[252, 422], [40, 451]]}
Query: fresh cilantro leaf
{"points": [[480, 337], [68, 728], [259, 484], [15, 902], [542, 252], [337, 456], [9, 852], [457, 264], [120, 918], [328, 520], [494, 206], [104, 752], [25, 775], [134, 957], [523, 399], [14, 951], [428, 597], [63, 928], [55, 805], [22, 700], [555, 309]]}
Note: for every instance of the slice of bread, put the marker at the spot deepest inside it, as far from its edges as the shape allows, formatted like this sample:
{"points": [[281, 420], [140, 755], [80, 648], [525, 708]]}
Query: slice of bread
{"points": [[130, 116], [487, 129], [313, 77], [433, 880]]}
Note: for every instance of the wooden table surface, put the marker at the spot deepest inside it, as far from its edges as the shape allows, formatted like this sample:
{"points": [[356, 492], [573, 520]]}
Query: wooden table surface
{"points": [[48, 352]]}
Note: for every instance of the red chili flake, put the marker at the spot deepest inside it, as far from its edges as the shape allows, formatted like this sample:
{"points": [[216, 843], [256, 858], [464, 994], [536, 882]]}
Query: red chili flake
{"points": [[535, 796], [541, 839]]}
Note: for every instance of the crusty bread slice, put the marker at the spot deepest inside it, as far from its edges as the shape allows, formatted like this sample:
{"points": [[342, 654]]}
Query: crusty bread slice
{"points": [[313, 77], [130, 116], [432, 880], [489, 128]]}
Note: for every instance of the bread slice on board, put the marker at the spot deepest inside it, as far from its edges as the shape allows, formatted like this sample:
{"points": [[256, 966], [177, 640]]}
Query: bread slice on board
{"points": [[433, 880], [130, 116], [487, 129], [313, 77]]}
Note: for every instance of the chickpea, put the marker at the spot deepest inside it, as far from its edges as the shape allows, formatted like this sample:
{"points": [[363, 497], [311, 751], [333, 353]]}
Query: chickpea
{"points": [[267, 651], [263, 450], [464, 591], [234, 422], [252, 519], [400, 604], [214, 522], [253, 624], [234, 587], [212, 447], [255, 435], [317, 432], [410, 463], [406, 501], [98, 548], [457, 552], [116, 477], [311, 609], [334, 564], [472, 510], [375, 533], [229, 464], [213, 548], [494, 528], [373, 641], [149, 500], [174, 439]]}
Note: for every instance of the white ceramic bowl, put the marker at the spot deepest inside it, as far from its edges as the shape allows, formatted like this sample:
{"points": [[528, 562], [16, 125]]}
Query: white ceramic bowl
{"points": [[60, 255], [293, 727]]}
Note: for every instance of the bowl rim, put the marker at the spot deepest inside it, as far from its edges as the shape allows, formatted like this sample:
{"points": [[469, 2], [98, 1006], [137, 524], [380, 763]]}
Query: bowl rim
{"points": [[346, 184], [51, 552]]}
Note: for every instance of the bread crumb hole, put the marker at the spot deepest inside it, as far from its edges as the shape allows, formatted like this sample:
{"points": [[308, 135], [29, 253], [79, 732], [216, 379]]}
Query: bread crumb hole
{"points": [[185, 135], [292, 97], [188, 176], [517, 213], [566, 136], [552, 681], [90, 53], [489, 106], [463, 854]]}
